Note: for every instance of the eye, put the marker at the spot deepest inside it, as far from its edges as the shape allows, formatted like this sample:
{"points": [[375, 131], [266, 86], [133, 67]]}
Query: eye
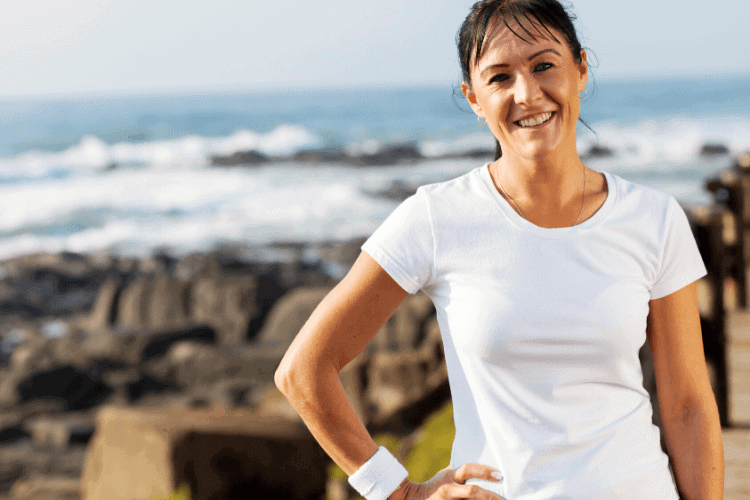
{"points": [[542, 66], [501, 77]]}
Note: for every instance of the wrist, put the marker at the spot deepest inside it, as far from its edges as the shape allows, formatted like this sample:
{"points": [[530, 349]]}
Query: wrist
{"points": [[402, 491], [380, 476]]}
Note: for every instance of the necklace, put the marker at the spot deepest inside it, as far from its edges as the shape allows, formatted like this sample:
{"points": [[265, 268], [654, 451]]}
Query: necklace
{"points": [[583, 201]]}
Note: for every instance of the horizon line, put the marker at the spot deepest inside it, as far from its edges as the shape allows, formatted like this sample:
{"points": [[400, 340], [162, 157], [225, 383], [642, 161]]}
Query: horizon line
{"points": [[315, 88]]}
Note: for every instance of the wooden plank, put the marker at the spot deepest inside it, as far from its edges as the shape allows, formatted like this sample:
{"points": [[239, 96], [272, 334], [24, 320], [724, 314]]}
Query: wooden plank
{"points": [[737, 327], [738, 383], [737, 464]]}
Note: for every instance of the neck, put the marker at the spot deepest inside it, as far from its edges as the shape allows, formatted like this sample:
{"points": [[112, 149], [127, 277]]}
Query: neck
{"points": [[548, 184]]}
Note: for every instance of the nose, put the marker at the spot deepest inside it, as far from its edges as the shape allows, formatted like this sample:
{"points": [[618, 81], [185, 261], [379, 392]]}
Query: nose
{"points": [[526, 89]]}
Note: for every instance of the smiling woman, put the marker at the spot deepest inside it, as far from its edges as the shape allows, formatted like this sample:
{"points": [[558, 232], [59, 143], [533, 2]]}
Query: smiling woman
{"points": [[547, 278]]}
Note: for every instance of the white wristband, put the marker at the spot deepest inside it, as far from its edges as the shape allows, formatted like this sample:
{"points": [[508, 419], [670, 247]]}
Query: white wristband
{"points": [[379, 477]]}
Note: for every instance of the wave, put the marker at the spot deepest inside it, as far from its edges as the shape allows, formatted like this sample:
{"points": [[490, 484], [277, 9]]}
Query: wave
{"points": [[670, 143], [676, 140], [133, 212], [93, 155]]}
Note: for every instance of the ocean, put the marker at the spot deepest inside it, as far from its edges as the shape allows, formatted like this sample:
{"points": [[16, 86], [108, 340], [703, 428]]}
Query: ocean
{"points": [[133, 174]]}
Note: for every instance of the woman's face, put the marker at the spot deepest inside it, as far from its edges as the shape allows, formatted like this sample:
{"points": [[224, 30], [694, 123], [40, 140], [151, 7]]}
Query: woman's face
{"points": [[527, 91]]}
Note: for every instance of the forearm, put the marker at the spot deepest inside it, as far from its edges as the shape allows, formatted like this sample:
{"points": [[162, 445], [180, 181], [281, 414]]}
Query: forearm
{"points": [[696, 451], [319, 398]]}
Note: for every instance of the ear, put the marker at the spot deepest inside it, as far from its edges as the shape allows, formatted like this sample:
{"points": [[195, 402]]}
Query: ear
{"points": [[472, 99], [583, 69]]}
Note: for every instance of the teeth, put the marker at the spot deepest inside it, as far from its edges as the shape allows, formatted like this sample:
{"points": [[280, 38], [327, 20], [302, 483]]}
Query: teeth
{"points": [[532, 122]]}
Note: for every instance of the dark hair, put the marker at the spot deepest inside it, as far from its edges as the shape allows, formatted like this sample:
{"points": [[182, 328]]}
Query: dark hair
{"points": [[541, 16]]}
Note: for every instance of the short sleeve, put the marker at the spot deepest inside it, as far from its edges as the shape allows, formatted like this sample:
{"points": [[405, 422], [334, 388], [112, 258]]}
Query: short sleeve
{"points": [[403, 244], [681, 262]]}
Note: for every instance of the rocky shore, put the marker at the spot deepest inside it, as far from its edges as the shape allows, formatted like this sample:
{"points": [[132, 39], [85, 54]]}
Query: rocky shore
{"points": [[80, 333]]}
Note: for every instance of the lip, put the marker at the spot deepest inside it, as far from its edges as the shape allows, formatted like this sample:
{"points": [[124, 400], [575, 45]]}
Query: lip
{"points": [[532, 115]]}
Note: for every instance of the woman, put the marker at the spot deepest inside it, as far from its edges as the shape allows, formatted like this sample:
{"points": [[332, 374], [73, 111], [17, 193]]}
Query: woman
{"points": [[547, 278]]}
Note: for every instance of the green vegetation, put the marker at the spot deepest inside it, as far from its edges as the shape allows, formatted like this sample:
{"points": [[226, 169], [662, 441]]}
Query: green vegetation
{"points": [[429, 454], [432, 451], [181, 493]]}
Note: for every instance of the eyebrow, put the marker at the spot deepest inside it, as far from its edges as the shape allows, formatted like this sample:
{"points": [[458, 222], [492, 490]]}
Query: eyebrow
{"points": [[504, 65]]}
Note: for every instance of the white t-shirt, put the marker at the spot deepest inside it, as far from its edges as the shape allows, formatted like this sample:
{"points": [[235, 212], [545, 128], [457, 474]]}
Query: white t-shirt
{"points": [[541, 329]]}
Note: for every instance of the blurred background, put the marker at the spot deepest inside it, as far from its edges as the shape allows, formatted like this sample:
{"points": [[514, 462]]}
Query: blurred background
{"points": [[119, 120], [182, 182]]}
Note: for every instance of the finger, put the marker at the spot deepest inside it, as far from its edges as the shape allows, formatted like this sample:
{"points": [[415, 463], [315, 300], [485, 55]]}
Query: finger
{"points": [[468, 491], [479, 471]]}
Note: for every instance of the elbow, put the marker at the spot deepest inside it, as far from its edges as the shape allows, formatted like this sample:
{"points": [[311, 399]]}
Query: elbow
{"points": [[283, 376], [291, 375]]}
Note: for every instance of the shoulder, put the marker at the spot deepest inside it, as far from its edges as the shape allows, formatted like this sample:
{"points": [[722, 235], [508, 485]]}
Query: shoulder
{"points": [[470, 184], [637, 200], [633, 192]]}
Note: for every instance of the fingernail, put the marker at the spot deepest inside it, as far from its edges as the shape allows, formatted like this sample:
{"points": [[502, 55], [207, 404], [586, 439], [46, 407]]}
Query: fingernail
{"points": [[497, 475]]}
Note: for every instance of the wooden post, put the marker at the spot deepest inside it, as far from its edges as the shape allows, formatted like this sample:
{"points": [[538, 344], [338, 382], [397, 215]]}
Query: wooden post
{"points": [[710, 238], [742, 211]]}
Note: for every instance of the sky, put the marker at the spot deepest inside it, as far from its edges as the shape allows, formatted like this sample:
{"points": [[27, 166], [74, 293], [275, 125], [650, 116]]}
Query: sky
{"points": [[60, 47]]}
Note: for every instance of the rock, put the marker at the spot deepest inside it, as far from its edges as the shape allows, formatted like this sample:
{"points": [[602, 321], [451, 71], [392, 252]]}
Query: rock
{"points": [[48, 488], [132, 308], [342, 253], [168, 305], [231, 305], [407, 325], [155, 344], [193, 367], [77, 390], [325, 155], [403, 383], [391, 155], [474, 153], [598, 151], [407, 384], [104, 312], [289, 314], [159, 263], [397, 190], [59, 432], [714, 150], [9, 474], [218, 453], [36, 463], [240, 158], [49, 285]]}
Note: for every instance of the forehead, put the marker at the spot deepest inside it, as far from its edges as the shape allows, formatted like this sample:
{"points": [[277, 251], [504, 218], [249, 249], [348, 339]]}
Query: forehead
{"points": [[518, 38]]}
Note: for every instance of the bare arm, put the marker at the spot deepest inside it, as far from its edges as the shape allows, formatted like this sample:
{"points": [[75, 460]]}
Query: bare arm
{"points": [[688, 409], [339, 329]]}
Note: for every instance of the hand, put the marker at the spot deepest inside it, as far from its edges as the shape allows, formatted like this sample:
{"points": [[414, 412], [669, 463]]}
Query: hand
{"points": [[450, 484]]}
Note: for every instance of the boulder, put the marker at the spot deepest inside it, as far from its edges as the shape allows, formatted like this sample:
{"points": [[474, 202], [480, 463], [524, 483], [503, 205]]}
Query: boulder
{"points": [[231, 305], [194, 364], [219, 454], [47, 487], [323, 155], [168, 305], [407, 325], [289, 314], [714, 149], [409, 383], [132, 308], [391, 155], [103, 313], [397, 190], [46, 286], [76, 389], [598, 151], [59, 432]]}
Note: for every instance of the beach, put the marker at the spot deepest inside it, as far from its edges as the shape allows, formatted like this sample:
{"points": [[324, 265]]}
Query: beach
{"points": [[161, 251]]}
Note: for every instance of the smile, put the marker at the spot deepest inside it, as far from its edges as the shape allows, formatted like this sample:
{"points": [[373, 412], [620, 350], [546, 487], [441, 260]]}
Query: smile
{"points": [[534, 121]]}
